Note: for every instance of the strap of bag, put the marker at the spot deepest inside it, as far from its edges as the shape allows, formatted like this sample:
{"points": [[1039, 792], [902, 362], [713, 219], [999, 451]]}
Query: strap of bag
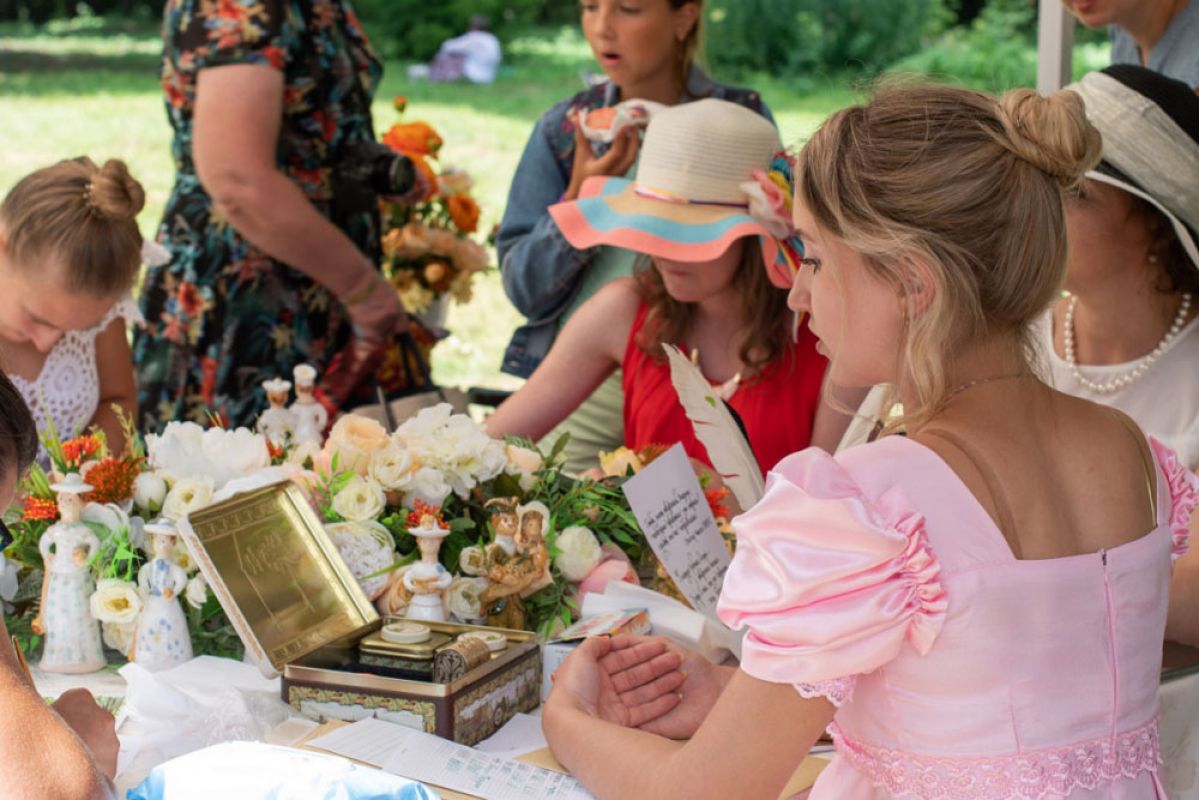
{"points": [[410, 357]]}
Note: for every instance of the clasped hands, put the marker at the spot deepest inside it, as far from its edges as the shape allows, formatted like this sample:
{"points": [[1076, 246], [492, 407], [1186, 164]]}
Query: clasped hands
{"points": [[639, 682]]}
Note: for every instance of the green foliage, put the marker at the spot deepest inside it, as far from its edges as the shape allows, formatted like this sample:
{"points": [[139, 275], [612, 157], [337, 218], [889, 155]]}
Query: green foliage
{"points": [[211, 632], [998, 50], [808, 38], [413, 29]]}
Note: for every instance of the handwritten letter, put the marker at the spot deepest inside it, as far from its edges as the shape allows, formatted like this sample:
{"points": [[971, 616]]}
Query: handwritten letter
{"points": [[669, 504]]}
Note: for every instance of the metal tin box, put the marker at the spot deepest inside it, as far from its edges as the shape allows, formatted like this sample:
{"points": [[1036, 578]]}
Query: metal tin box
{"points": [[301, 614]]}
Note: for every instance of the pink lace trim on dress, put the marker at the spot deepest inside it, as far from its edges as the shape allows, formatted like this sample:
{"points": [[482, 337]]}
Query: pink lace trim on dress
{"points": [[837, 691], [1184, 495], [1021, 776]]}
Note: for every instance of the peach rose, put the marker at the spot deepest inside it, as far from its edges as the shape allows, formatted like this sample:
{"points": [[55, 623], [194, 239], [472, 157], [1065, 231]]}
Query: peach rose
{"points": [[353, 440]]}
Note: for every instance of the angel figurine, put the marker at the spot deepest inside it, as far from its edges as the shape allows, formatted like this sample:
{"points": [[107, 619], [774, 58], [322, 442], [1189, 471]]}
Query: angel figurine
{"points": [[72, 634], [277, 423], [162, 639], [428, 579], [310, 416]]}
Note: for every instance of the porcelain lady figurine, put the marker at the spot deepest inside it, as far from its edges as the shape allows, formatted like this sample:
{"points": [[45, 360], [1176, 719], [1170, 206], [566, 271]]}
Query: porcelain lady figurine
{"points": [[311, 417], [162, 639], [428, 579], [72, 634], [277, 423]]}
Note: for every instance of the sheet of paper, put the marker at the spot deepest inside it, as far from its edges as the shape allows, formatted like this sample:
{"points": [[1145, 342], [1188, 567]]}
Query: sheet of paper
{"points": [[673, 513], [431, 759], [521, 734]]}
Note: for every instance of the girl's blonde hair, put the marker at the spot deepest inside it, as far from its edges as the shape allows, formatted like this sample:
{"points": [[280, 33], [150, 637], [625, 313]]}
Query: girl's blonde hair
{"points": [[82, 214], [762, 305], [969, 187]]}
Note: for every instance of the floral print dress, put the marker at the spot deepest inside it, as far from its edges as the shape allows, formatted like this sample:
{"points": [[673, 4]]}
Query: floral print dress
{"points": [[223, 316]]}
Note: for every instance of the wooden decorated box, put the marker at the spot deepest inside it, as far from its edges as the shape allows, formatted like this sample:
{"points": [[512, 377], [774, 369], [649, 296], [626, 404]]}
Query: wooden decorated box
{"points": [[302, 615]]}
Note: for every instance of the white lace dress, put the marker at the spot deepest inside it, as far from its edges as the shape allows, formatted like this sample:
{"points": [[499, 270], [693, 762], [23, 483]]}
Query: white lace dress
{"points": [[67, 391]]}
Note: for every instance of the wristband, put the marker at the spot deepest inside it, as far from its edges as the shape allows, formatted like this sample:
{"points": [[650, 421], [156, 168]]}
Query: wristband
{"points": [[358, 296]]}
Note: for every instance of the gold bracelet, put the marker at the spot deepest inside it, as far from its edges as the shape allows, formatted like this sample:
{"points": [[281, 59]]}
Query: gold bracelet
{"points": [[362, 294]]}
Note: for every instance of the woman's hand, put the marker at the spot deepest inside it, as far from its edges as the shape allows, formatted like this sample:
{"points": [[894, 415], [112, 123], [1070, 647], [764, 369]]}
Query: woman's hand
{"points": [[640, 677], [643, 689], [374, 308], [615, 162]]}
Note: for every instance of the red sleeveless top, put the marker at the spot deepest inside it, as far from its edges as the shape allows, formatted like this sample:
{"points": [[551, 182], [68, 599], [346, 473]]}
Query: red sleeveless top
{"points": [[777, 405]]}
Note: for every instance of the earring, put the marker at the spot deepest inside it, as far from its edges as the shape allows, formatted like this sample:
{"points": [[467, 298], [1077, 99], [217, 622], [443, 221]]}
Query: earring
{"points": [[1152, 258]]}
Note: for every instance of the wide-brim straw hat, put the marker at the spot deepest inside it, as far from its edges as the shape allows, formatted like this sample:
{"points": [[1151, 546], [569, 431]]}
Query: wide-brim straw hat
{"points": [[1150, 129], [72, 483], [161, 526], [690, 200]]}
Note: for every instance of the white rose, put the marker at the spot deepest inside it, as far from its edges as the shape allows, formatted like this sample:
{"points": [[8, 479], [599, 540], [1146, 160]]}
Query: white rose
{"points": [[391, 466], [196, 592], [359, 500], [462, 598], [185, 450], [109, 515], [472, 560], [116, 601], [579, 553], [120, 637], [303, 453], [234, 454], [186, 496], [8, 579], [429, 486], [182, 556], [149, 491]]}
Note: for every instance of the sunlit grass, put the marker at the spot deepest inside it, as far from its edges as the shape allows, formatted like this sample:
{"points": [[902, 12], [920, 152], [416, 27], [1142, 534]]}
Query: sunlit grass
{"points": [[91, 88]]}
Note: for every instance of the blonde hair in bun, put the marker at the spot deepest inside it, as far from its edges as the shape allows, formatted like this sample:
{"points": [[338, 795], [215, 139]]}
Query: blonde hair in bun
{"points": [[969, 187], [81, 216]]}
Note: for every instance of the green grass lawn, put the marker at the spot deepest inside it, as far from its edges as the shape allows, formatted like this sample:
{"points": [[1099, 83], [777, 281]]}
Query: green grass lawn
{"points": [[91, 88]]}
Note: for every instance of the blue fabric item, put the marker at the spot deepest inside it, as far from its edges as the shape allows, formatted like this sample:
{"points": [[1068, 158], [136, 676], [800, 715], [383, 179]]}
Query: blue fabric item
{"points": [[541, 271], [253, 771], [1176, 55]]}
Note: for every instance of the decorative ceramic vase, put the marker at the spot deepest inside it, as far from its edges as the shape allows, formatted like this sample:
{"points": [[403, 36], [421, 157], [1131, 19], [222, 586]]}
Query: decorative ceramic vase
{"points": [[162, 640], [73, 642]]}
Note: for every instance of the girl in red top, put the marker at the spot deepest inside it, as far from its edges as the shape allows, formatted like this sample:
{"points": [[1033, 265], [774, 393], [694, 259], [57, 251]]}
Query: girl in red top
{"points": [[710, 209]]}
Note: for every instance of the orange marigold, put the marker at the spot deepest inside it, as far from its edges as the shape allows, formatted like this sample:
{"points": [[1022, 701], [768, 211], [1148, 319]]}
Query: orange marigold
{"points": [[413, 138], [464, 211], [111, 480], [76, 451], [400, 102], [40, 508]]}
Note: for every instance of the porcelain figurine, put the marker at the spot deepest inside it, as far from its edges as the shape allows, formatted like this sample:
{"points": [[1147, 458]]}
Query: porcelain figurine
{"points": [[519, 573], [310, 416], [277, 423], [162, 639], [428, 579], [73, 642]]}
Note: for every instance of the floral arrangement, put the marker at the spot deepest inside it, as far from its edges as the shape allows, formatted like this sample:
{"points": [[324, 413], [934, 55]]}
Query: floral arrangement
{"points": [[428, 251], [369, 487]]}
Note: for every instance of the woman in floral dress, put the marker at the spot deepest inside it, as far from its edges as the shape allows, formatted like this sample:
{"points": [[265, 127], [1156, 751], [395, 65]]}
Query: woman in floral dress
{"points": [[274, 254]]}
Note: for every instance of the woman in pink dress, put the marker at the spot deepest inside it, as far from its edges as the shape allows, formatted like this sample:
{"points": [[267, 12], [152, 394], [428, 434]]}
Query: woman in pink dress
{"points": [[974, 610]]}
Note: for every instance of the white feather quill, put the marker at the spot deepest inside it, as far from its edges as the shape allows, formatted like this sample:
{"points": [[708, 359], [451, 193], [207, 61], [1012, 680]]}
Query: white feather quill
{"points": [[716, 429]]}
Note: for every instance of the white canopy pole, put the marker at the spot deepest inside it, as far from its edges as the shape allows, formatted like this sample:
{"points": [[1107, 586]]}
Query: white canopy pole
{"points": [[1055, 45]]}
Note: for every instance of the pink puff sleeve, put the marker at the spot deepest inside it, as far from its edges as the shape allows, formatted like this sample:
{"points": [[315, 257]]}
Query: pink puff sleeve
{"points": [[830, 584], [1184, 494]]}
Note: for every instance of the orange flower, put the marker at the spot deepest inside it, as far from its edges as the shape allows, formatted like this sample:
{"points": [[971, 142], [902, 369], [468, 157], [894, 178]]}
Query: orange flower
{"points": [[650, 452], [76, 451], [400, 102], [420, 510], [112, 480], [464, 211], [714, 498], [430, 177], [413, 138], [40, 508]]}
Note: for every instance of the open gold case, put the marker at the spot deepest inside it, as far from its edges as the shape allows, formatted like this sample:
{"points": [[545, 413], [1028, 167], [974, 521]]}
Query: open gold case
{"points": [[301, 614]]}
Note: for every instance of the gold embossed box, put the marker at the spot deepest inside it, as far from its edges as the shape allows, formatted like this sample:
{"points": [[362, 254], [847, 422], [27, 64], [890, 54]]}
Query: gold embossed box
{"points": [[302, 615]]}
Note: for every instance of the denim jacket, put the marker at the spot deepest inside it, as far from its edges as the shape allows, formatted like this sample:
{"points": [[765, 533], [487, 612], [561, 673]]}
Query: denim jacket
{"points": [[541, 271]]}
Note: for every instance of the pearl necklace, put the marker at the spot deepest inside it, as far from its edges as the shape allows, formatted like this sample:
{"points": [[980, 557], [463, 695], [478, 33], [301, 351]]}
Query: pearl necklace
{"points": [[1128, 378]]}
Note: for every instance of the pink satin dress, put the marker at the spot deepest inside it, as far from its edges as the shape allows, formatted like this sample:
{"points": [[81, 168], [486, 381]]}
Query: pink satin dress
{"points": [[877, 580]]}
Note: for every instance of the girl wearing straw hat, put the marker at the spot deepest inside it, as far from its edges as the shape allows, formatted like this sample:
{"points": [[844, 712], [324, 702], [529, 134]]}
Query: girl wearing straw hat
{"points": [[647, 50], [713, 230]]}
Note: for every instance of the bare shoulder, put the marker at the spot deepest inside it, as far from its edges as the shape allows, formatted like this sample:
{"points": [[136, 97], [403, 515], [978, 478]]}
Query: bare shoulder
{"points": [[614, 305]]}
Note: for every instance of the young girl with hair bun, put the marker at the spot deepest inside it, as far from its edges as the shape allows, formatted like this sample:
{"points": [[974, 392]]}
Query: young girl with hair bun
{"points": [[70, 251], [974, 610]]}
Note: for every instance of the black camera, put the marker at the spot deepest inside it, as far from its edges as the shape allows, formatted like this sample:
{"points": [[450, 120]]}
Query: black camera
{"points": [[369, 170]]}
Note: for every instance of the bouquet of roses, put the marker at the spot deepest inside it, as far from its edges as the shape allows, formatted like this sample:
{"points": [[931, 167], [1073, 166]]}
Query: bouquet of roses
{"points": [[428, 251]]}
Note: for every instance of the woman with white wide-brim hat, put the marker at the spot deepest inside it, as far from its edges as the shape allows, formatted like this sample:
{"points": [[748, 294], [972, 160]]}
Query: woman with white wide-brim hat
{"points": [[428, 579], [162, 639]]}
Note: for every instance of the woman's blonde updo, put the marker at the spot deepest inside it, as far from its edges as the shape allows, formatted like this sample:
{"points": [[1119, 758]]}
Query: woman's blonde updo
{"points": [[965, 185], [81, 216]]}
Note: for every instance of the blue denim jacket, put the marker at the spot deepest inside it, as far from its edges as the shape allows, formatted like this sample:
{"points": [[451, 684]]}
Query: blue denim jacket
{"points": [[540, 270]]}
